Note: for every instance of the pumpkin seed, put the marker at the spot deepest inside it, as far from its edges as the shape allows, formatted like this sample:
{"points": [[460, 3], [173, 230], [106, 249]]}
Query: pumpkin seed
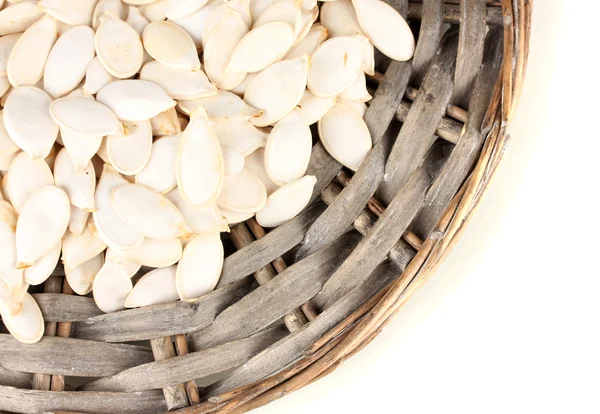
{"points": [[78, 249], [79, 185], [222, 106], [170, 44], [345, 136], [307, 18], [277, 90], [130, 267], [118, 46], [81, 147], [8, 260], [136, 20], [6, 45], [242, 7], [96, 77], [200, 219], [313, 39], [368, 59], [286, 202], [357, 91], [288, 149], [6, 160], [154, 11], [195, 23], [385, 28], [42, 268], [4, 85], [38, 231], [283, 11], [19, 17], [78, 220], [255, 163], [28, 56], [159, 171], [235, 218], [155, 287], [7, 145], [111, 287], [200, 266], [257, 7], [165, 123], [27, 325], [240, 135], [135, 100], [116, 6], [339, 17], [81, 279], [178, 83], [242, 193], [155, 253], [240, 90], [130, 153], [233, 160], [199, 155], [179, 9], [27, 176], [73, 12], [359, 107], [11, 300], [312, 108], [85, 116]]}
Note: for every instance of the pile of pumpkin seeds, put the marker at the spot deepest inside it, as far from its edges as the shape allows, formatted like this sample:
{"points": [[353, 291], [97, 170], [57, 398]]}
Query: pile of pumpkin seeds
{"points": [[134, 132]]}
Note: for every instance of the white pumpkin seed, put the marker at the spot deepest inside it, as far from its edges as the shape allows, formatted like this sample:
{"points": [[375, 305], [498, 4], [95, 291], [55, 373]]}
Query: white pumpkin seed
{"points": [[41, 225], [345, 136], [85, 116], [178, 83], [155, 253], [228, 29], [135, 100], [4, 85], [368, 59], [240, 90], [11, 300], [28, 56], [81, 147], [27, 176], [159, 171], [155, 287], [340, 19], [199, 155], [307, 18], [277, 90], [8, 260], [282, 11], [130, 153], [78, 220], [130, 267], [261, 47], [73, 12], [288, 149], [136, 20], [17, 18], [6, 45], [111, 287], [359, 107], [68, 61], [80, 186], [243, 7], [78, 249], [385, 28], [312, 108], [165, 123], [313, 39], [7, 145], [200, 266], [81, 279], [148, 212], [195, 23], [233, 160], [154, 11], [357, 91], [118, 46], [334, 65], [255, 163], [200, 219], [96, 77], [27, 325], [6, 160], [242, 193], [110, 226], [179, 9], [116, 6], [235, 218], [308, 4], [170, 44], [257, 7], [224, 105], [42, 268], [287, 202], [240, 135]]}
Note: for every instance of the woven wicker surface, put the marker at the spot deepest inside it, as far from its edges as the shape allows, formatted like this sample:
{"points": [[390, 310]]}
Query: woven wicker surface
{"points": [[365, 245]]}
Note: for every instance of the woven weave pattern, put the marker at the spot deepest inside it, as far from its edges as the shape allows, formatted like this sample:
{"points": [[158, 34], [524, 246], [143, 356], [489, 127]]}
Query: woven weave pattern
{"points": [[294, 303]]}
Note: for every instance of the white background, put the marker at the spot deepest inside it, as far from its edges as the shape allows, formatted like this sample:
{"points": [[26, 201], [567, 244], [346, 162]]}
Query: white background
{"points": [[510, 322]]}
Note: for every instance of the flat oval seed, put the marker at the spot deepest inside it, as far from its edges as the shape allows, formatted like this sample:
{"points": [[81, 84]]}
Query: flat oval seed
{"points": [[240, 135], [242, 7], [81, 279], [345, 136], [156, 253], [42, 268], [171, 45], [72, 12], [154, 11], [118, 46], [235, 218], [135, 100], [96, 77], [85, 116], [200, 219], [78, 220], [340, 19], [257, 7], [307, 18], [159, 171], [242, 193], [81, 147], [313, 39], [136, 20], [78, 249], [223, 105], [261, 47], [11, 301], [312, 108], [357, 91], [8, 260], [334, 65], [155, 287], [148, 212], [28, 57], [199, 157], [200, 266], [27, 326], [111, 287], [233, 160], [359, 107], [195, 23], [130, 153], [288, 149], [283, 11], [27, 176], [130, 267], [80, 186], [7, 145], [116, 6], [178, 83], [255, 163], [28, 122], [385, 28], [165, 123], [277, 90], [110, 226], [41, 225], [181, 8], [68, 61], [6, 44], [287, 202], [19, 17]]}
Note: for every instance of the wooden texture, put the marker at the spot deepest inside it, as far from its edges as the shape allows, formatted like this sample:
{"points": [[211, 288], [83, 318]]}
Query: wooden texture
{"points": [[15, 378], [57, 307], [175, 394], [430, 34], [452, 13]]}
